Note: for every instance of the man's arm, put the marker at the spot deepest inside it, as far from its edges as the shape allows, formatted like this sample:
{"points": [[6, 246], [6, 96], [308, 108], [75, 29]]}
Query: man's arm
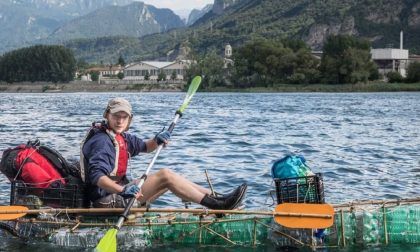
{"points": [[151, 145], [109, 185]]}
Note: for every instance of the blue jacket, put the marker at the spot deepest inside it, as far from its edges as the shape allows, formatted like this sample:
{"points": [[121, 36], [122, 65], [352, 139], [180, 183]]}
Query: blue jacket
{"points": [[99, 154]]}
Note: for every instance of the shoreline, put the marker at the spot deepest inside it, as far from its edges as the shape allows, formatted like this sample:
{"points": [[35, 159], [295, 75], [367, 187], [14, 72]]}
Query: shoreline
{"points": [[79, 86]]}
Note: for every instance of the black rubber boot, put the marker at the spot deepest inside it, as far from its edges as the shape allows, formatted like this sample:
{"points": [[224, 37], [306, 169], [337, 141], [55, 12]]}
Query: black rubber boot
{"points": [[227, 202], [240, 188], [212, 203]]}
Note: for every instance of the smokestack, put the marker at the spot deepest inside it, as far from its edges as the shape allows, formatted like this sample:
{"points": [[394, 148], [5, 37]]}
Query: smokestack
{"points": [[401, 40]]}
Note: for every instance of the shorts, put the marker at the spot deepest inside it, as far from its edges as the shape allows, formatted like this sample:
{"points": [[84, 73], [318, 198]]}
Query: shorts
{"points": [[112, 201]]}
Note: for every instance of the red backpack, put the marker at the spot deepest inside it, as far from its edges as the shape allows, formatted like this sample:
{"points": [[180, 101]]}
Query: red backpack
{"points": [[34, 164]]}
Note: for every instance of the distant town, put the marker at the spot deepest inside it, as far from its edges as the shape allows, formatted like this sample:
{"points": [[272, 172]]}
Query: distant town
{"points": [[148, 72]]}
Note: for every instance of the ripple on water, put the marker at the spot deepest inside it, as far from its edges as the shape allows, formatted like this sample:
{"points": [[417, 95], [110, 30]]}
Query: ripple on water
{"points": [[347, 171], [364, 147]]}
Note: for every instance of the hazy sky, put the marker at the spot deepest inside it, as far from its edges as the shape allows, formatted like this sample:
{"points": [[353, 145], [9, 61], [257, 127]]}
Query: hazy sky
{"points": [[179, 4], [180, 7]]}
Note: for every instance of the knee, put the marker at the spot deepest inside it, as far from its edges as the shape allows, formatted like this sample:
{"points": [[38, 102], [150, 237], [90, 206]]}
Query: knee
{"points": [[166, 176]]}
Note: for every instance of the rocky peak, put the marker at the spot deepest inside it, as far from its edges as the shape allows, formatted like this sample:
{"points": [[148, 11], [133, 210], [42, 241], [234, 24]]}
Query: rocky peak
{"points": [[220, 5]]}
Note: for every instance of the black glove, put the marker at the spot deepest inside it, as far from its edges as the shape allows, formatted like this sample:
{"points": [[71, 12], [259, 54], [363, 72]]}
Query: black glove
{"points": [[130, 190], [162, 137]]}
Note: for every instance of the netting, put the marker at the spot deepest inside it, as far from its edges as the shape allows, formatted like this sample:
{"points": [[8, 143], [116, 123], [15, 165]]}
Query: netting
{"points": [[400, 224], [233, 230], [354, 225]]}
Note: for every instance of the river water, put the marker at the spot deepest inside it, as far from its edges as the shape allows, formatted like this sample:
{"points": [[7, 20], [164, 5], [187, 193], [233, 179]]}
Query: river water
{"points": [[367, 145]]}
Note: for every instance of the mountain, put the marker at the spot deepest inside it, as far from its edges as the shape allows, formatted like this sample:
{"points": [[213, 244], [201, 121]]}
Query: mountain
{"points": [[236, 22], [220, 6], [65, 7], [197, 14], [136, 19], [24, 22], [379, 21]]}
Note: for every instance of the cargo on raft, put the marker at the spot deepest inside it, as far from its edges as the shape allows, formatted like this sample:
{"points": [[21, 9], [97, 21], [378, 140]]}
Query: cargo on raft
{"points": [[356, 223]]}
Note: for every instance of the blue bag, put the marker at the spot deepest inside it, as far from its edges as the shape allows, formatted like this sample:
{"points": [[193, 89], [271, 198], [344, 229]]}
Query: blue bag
{"points": [[290, 167]]}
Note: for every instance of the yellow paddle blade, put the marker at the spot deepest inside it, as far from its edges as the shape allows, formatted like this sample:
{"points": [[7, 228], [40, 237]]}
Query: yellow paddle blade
{"points": [[108, 243], [195, 83], [301, 215], [12, 212]]}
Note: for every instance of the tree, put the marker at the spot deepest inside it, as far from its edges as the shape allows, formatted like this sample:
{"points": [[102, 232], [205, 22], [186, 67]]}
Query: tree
{"points": [[147, 76], [210, 67], [94, 75], [267, 62], [121, 61], [347, 59], [413, 72], [38, 63], [161, 76], [120, 75], [173, 75]]}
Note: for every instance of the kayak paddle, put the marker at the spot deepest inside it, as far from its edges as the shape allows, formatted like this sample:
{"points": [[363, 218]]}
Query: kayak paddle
{"points": [[292, 215], [299, 215], [12, 212], [108, 243]]}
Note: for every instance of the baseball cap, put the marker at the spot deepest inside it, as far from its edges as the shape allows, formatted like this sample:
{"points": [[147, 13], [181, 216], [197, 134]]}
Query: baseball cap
{"points": [[118, 104]]}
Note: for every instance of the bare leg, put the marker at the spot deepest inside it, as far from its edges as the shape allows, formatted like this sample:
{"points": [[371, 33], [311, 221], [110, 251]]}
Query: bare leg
{"points": [[166, 179], [157, 195]]}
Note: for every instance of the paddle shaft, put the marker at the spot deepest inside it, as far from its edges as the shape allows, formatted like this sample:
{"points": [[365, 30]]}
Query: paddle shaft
{"points": [[143, 178], [156, 210], [108, 243]]}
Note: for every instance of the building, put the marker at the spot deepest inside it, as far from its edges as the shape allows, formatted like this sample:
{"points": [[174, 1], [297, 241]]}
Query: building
{"points": [[391, 59], [106, 71], [227, 61], [152, 69]]}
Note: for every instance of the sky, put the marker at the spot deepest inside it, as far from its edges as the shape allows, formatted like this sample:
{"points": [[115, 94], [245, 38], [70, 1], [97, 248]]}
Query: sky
{"points": [[179, 4], [181, 7]]}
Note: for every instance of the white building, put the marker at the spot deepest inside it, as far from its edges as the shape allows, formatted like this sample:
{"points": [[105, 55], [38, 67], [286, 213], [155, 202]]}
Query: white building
{"points": [[391, 59], [227, 61], [138, 71]]}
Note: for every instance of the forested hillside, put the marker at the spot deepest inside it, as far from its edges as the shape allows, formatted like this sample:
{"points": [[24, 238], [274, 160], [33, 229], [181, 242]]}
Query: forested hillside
{"points": [[379, 21]]}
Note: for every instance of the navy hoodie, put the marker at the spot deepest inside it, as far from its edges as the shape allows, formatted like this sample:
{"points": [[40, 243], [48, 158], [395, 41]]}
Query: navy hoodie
{"points": [[99, 153]]}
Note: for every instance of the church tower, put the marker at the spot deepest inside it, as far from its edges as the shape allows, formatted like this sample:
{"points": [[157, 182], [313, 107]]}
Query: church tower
{"points": [[228, 51]]}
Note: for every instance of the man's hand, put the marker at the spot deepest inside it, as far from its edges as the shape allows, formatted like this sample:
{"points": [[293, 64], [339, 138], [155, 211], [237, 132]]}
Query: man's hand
{"points": [[131, 190], [163, 137]]}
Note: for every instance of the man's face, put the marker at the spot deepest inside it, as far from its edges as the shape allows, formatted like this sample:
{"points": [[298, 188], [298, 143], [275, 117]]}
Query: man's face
{"points": [[118, 122]]}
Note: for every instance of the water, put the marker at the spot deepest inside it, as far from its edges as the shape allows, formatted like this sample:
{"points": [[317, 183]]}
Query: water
{"points": [[367, 145]]}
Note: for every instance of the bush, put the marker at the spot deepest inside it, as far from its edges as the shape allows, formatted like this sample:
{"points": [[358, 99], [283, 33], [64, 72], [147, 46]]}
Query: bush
{"points": [[413, 72], [94, 75], [394, 77], [297, 78]]}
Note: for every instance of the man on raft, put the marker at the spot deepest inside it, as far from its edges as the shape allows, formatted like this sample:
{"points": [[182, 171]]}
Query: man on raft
{"points": [[105, 152]]}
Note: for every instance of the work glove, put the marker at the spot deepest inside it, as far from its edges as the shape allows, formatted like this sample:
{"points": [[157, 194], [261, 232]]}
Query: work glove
{"points": [[130, 190], [162, 137]]}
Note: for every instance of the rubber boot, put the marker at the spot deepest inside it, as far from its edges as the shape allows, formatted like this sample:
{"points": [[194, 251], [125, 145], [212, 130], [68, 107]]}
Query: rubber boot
{"points": [[240, 188], [212, 203], [228, 202]]}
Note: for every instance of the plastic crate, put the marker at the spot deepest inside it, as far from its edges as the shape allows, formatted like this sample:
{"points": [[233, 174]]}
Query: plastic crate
{"points": [[308, 189], [72, 195]]}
